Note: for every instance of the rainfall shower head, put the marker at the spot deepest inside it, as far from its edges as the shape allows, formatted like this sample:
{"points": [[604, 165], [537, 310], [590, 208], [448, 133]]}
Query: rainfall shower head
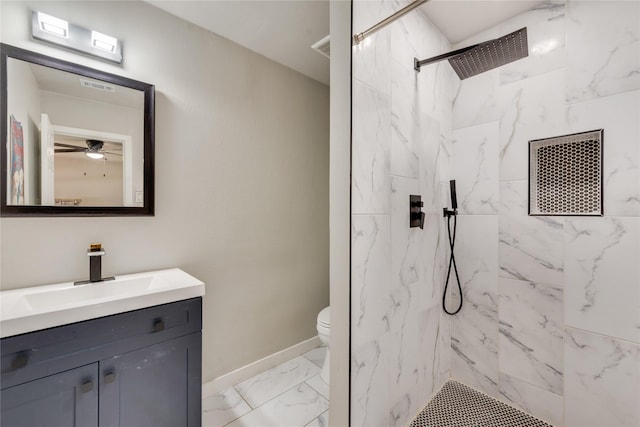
{"points": [[472, 60]]}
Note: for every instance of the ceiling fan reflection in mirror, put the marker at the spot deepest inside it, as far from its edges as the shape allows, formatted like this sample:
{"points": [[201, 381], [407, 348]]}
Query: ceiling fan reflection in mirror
{"points": [[94, 149]]}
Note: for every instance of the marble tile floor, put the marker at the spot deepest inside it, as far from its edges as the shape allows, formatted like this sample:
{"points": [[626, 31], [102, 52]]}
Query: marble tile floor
{"points": [[291, 394]]}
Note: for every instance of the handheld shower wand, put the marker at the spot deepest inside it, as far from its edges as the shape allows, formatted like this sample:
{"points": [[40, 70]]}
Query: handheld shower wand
{"points": [[454, 200], [454, 197], [448, 213]]}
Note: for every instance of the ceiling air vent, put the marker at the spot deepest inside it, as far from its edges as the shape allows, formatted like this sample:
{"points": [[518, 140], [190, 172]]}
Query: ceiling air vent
{"points": [[97, 85], [323, 47]]}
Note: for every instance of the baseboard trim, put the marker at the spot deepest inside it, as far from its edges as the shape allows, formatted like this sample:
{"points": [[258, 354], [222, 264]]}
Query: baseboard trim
{"points": [[225, 381]]}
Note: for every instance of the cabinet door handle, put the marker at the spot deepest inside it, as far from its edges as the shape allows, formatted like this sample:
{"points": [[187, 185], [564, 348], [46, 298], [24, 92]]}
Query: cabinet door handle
{"points": [[86, 386], [158, 325], [20, 361], [109, 377]]}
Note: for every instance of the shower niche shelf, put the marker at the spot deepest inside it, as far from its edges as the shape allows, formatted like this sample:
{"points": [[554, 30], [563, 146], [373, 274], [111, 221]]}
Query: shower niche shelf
{"points": [[565, 175]]}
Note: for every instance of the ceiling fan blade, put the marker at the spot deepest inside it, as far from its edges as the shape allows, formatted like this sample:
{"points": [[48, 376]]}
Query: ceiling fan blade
{"points": [[69, 150], [58, 144]]}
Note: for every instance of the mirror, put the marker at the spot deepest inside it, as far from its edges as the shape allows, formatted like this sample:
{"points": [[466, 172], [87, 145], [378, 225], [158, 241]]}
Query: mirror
{"points": [[77, 141]]}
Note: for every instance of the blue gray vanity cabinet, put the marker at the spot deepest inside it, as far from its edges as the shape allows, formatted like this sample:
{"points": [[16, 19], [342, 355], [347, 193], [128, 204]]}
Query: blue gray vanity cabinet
{"points": [[141, 368], [68, 398]]}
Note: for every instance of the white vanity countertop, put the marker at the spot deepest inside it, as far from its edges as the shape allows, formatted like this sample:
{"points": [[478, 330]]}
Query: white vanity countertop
{"points": [[40, 307]]}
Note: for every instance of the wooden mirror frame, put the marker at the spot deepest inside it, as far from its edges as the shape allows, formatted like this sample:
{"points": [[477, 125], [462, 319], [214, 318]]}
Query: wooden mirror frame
{"points": [[7, 210]]}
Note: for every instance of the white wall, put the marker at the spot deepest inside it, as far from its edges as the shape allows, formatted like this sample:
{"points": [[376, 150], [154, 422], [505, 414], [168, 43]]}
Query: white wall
{"points": [[242, 149], [339, 216], [81, 113], [401, 135], [23, 102], [94, 182], [550, 321]]}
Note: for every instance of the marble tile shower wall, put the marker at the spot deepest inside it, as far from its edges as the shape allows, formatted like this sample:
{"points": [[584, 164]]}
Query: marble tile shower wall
{"points": [[552, 318], [401, 142]]}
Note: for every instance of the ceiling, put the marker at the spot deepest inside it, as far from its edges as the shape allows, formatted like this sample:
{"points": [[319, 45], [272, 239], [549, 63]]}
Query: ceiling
{"points": [[280, 30], [284, 30], [461, 19], [70, 84]]}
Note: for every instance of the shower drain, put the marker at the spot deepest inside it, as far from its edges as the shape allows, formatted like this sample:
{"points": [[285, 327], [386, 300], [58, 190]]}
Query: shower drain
{"points": [[457, 405]]}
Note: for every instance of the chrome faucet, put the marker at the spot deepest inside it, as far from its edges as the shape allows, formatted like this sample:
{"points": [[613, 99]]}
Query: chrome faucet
{"points": [[95, 253]]}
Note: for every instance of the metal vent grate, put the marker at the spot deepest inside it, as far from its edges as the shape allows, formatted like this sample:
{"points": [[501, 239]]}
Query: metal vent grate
{"points": [[97, 85], [565, 175], [457, 405]]}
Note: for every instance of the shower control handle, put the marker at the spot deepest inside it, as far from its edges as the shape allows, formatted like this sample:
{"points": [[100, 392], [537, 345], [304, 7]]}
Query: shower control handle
{"points": [[416, 216]]}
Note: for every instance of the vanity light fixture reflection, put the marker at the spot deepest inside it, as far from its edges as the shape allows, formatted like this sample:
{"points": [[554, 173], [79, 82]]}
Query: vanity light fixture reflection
{"points": [[63, 33]]}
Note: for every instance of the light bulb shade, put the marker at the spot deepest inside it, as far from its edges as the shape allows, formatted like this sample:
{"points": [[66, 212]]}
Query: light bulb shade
{"points": [[94, 155], [62, 33], [104, 42], [52, 25]]}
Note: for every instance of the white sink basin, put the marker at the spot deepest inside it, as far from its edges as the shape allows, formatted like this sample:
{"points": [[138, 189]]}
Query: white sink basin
{"points": [[40, 307], [91, 292]]}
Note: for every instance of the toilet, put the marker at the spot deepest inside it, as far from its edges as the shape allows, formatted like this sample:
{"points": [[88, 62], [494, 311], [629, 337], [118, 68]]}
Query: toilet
{"points": [[324, 326]]}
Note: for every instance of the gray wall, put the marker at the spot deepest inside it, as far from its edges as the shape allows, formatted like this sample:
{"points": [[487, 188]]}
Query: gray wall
{"points": [[242, 182], [550, 322]]}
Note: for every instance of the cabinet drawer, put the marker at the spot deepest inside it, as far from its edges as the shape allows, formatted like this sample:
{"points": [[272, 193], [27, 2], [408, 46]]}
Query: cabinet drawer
{"points": [[37, 354]]}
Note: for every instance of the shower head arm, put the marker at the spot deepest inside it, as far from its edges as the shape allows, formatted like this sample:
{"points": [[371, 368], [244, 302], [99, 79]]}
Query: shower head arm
{"points": [[472, 60], [419, 63]]}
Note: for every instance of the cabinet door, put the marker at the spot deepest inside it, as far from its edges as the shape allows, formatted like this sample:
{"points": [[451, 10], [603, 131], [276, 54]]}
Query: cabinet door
{"points": [[157, 386], [67, 399]]}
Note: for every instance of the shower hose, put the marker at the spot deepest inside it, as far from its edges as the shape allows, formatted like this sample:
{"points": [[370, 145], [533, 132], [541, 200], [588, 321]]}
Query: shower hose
{"points": [[452, 261]]}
